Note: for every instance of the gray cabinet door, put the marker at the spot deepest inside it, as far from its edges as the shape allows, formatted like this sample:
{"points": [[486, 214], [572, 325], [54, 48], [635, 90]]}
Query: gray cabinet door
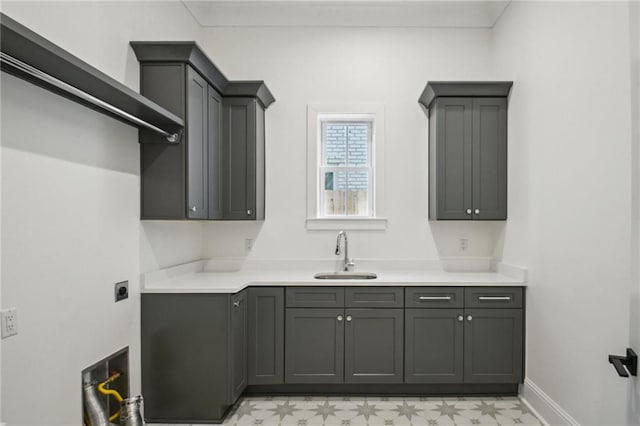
{"points": [[266, 336], [489, 158], [162, 176], [433, 346], [238, 345], [373, 345], [185, 357], [493, 346], [450, 191], [314, 345], [214, 147], [239, 150], [197, 144]]}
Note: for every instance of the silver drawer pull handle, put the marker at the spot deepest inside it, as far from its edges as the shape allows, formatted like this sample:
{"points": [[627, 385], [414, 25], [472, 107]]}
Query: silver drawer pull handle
{"points": [[435, 297], [236, 304], [494, 298], [193, 208]]}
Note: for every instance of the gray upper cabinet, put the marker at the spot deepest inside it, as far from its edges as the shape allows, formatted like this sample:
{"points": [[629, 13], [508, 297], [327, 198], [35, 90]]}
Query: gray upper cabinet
{"points": [[467, 149], [176, 179], [216, 170], [243, 153], [214, 150], [197, 138]]}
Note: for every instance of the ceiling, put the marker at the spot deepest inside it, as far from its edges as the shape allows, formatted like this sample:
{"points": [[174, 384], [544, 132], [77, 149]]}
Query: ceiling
{"points": [[347, 13]]}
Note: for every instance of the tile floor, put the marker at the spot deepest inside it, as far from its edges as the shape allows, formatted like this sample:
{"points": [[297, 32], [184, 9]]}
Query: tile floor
{"points": [[380, 411]]}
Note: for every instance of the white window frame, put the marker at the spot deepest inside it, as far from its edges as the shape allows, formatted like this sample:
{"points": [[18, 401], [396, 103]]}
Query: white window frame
{"points": [[316, 114]]}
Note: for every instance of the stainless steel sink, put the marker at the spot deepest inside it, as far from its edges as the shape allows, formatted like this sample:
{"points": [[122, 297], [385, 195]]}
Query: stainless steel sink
{"points": [[345, 276]]}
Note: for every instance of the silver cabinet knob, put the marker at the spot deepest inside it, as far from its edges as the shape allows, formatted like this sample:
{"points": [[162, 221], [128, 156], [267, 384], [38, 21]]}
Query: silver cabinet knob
{"points": [[236, 304], [469, 318], [477, 211], [468, 211], [339, 318], [249, 212], [193, 208], [349, 318], [460, 318]]}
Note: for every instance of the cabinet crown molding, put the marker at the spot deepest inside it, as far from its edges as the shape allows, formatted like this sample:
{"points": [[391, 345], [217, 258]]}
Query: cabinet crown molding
{"points": [[435, 89], [189, 52]]}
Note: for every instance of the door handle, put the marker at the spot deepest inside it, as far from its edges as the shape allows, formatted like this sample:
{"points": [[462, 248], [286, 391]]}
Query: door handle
{"points": [[630, 362]]}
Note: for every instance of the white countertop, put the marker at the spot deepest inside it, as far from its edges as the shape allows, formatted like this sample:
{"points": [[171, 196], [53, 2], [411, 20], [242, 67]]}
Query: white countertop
{"points": [[194, 278]]}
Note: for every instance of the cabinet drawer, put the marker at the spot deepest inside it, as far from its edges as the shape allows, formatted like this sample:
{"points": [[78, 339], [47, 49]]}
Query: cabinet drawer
{"points": [[374, 297], [493, 297], [433, 297], [315, 297]]}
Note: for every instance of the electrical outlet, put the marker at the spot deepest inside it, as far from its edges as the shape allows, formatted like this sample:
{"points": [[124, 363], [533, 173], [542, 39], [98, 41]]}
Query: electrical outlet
{"points": [[464, 244], [248, 245], [9, 322], [122, 290]]}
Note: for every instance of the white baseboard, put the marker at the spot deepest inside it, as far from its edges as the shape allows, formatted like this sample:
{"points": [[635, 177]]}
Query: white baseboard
{"points": [[546, 409]]}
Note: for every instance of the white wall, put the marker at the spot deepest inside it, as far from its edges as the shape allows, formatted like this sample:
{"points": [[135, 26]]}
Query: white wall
{"points": [[569, 194], [70, 212], [633, 398], [349, 65]]}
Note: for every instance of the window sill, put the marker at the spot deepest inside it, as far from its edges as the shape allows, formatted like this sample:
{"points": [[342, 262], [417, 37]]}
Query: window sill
{"points": [[353, 224]]}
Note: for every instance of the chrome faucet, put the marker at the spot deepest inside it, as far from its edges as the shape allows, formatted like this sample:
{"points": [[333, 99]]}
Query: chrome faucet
{"points": [[348, 263]]}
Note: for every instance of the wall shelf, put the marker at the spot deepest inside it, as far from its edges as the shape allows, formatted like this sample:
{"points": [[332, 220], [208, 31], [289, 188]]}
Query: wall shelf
{"points": [[33, 58]]}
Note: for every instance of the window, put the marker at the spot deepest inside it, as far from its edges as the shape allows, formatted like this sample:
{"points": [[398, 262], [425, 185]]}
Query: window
{"points": [[346, 172], [345, 147]]}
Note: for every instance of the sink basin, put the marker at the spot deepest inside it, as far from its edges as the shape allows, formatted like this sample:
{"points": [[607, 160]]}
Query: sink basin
{"points": [[345, 276]]}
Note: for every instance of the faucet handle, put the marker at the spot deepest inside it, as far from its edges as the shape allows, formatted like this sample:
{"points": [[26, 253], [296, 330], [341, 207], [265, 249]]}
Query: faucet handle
{"points": [[349, 265]]}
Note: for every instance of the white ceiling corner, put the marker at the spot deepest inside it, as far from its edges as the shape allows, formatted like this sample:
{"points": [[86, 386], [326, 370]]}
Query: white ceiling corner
{"points": [[347, 13]]}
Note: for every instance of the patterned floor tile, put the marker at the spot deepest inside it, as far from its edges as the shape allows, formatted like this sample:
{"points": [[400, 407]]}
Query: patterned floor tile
{"points": [[379, 411]]}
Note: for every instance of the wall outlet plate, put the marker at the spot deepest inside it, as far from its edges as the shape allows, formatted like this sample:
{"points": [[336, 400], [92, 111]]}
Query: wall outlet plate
{"points": [[9, 322], [122, 290]]}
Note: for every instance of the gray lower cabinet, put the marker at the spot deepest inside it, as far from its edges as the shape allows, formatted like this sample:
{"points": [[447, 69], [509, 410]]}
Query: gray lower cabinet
{"points": [[265, 347], [238, 338], [244, 156], [373, 345], [479, 341], [314, 346], [201, 351], [493, 342], [193, 362], [434, 350]]}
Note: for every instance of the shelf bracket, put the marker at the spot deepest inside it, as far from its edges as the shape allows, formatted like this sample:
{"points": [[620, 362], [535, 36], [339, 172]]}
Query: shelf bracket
{"points": [[622, 364]]}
